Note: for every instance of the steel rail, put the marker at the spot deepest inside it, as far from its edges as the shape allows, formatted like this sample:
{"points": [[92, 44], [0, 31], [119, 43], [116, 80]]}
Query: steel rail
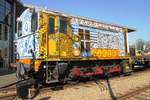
{"points": [[133, 93]]}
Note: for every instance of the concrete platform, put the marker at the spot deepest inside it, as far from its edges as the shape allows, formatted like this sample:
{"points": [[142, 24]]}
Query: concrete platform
{"points": [[7, 76]]}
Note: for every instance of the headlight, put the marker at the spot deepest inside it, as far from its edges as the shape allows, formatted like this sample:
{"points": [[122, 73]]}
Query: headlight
{"points": [[76, 52], [44, 66]]}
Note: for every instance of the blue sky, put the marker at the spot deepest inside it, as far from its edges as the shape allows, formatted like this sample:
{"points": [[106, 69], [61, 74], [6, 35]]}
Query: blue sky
{"points": [[132, 13]]}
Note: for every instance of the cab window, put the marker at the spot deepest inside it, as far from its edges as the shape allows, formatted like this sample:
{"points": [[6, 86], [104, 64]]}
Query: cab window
{"points": [[1, 31], [63, 25], [81, 34], [19, 28], [51, 27], [87, 35], [85, 40], [34, 22]]}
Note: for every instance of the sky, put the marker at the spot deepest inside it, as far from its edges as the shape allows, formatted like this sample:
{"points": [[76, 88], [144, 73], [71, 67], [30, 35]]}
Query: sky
{"points": [[132, 13]]}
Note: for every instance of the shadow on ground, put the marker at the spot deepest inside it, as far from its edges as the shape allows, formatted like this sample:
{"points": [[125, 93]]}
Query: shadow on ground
{"points": [[45, 98]]}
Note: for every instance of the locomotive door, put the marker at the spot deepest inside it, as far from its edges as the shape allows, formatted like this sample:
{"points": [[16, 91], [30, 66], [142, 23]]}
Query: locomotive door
{"points": [[48, 35], [65, 38], [55, 36], [59, 39], [52, 49]]}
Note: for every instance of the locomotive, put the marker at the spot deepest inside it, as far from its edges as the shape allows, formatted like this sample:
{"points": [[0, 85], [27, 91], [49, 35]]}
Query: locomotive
{"points": [[52, 46], [140, 59]]}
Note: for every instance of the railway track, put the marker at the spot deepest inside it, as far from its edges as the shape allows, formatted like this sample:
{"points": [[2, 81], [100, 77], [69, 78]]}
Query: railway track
{"points": [[8, 92], [139, 94], [11, 96]]}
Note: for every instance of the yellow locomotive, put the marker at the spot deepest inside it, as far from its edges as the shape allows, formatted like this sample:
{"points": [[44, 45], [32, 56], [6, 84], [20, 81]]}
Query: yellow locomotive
{"points": [[52, 46]]}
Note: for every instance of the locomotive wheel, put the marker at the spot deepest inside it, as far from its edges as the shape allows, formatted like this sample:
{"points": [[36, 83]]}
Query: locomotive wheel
{"points": [[53, 74], [73, 79]]}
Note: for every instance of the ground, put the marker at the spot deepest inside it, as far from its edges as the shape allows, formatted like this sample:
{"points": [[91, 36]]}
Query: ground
{"points": [[7, 76], [92, 91], [100, 90]]}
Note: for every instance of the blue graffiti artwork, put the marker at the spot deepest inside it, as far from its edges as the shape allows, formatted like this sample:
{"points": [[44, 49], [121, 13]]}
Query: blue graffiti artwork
{"points": [[25, 48], [75, 27]]}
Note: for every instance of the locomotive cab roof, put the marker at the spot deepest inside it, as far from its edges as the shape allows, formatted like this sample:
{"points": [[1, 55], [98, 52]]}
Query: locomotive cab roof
{"points": [[119, 28]]}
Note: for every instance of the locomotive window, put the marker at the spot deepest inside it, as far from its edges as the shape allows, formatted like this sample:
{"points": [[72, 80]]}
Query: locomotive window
{"points": [[51, 27], [88, 46], [6, 32], [87, 35], [0, 31], [34, 22], [81, 34], [63, 25], [19, 28], [82, 46]]}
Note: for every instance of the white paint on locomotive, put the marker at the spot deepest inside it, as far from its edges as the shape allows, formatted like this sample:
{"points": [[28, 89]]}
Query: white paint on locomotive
{"points": [[27, 40]]}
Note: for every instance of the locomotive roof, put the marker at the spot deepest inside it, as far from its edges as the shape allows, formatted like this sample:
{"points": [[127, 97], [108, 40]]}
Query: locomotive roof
{"points": [[102, 23]]}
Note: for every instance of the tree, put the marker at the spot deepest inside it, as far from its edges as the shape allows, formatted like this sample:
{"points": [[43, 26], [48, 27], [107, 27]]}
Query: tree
{"points": [[140, 44], [132, 50], [147, 46]]}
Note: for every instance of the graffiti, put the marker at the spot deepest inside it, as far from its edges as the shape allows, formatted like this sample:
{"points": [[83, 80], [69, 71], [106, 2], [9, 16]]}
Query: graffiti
{"points": [[26, 22], [42, 36], [29, 41], [98, 25], [75, 27], [102, 39], [108, 40], [25, 44]]}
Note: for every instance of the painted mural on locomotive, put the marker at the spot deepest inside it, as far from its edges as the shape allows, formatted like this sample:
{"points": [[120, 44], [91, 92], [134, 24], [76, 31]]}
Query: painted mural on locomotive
{"points": [[101, 40], [94, 42], [26, 39]]}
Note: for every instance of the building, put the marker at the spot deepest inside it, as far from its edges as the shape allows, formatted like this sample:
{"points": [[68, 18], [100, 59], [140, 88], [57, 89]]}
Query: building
{"points": [[9, 10]]}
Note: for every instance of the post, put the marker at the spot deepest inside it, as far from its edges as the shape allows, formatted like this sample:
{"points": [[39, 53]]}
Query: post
{"points": [[13, 33], [126, 42]]}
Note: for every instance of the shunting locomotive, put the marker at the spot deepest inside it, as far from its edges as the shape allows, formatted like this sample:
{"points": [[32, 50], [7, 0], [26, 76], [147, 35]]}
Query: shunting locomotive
{"points": [[53, 46]]}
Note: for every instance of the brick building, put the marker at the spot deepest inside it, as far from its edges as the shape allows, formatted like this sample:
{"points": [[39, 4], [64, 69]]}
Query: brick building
{"points": [[9, 10]]}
